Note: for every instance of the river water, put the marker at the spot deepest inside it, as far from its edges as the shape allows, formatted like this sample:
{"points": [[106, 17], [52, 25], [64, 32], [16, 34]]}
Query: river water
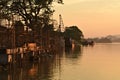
{"points": [[98, 62]]}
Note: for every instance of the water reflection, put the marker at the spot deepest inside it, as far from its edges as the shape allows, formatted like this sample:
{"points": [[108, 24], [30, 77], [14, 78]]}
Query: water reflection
{"points": [[3, 75], [101, 62], [41, 70], [75, 52], [47, 68]]}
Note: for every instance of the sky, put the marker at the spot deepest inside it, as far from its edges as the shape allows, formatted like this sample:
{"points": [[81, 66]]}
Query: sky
{"points": [[95, 18]]}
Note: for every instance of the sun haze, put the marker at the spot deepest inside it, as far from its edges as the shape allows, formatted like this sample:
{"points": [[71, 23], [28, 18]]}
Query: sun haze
{"points": [[95, 18]]}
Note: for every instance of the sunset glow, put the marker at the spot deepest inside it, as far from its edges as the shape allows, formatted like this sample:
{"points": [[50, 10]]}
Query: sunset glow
{"points": [[95, 18]]}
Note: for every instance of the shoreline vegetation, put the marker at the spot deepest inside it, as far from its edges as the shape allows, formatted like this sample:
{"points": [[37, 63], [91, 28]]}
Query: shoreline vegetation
{"points": [[30, 32]]}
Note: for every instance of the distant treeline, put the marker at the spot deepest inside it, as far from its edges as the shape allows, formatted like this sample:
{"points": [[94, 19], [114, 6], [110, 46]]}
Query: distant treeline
{"points": [[107, 39]]}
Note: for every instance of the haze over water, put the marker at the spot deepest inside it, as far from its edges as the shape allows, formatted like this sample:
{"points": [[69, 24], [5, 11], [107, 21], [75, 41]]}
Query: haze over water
{"points": [[98, 62]]}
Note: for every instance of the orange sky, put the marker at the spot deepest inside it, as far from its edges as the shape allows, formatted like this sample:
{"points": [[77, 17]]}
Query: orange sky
{"points": [[95, 18]]}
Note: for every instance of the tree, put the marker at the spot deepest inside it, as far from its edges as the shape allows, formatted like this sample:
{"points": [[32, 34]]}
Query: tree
{"points": [[35, 13], [74, 33]]}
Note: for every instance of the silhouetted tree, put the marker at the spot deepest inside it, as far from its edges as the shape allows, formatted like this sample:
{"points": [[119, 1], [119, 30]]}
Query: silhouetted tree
{"points": [[74, 33], [34, 13]]}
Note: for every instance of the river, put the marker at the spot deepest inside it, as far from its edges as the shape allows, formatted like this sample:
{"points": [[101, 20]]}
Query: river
{"points": [[98, 62]]}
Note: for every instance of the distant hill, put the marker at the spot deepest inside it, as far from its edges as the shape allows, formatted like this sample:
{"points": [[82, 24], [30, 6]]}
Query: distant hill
{"points": [[107, 39], [114, 38], [101, 40]]}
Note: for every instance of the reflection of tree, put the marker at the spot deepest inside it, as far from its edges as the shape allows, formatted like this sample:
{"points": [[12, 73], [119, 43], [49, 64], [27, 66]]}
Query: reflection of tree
{"points": [[74, 52], [3, 75], [44, 69]]}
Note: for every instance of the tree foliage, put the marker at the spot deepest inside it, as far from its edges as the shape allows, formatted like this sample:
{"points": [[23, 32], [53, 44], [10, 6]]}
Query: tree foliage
{"points": [[33, 12], [74, 33]]}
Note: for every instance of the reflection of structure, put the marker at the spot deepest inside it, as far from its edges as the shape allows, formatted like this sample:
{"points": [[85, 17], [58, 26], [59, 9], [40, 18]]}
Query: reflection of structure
{"points": [[45, 69]]}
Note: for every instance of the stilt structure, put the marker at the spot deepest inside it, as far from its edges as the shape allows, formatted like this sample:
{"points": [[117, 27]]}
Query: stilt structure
{"points": [[61, 24], [59, 38]]}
